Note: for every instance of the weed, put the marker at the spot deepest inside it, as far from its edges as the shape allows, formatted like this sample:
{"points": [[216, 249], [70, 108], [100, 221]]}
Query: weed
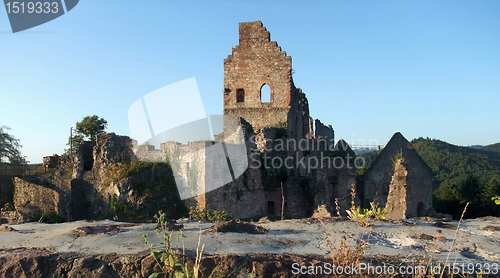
{"points": [[47, 218], [377, 212], [171, 263], [345, 254], [395, 158], [337, 206], [362, 216]]}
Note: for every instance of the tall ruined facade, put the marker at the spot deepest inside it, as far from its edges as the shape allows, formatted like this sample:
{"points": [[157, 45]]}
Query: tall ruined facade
{"points": [[294, 190], [253, 64]]}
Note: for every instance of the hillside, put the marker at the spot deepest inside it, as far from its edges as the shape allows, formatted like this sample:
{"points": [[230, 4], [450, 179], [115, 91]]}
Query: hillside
{"points": [[461, 175], [453, 163], [492, 148]]}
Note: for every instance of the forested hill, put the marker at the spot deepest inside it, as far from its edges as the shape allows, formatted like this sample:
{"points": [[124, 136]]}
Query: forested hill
{"points": [[453, 163], [492, 148], [462, 175]]}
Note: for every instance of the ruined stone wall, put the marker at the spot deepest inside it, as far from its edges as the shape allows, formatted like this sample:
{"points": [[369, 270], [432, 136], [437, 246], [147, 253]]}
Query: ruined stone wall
{"points": [[150, 153], [256, 62], [188, 164], [398, 195], [49, 193], [241, 199], [50, 162], [76, 192], [420, 201], [298, 117], [324, 134], [244, 197], [335, 177], [409, 184], [408, 192], [34, 198]]}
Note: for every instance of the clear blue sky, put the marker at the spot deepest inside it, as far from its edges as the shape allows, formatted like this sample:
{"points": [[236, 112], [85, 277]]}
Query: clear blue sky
{"points": [[368, 68]]}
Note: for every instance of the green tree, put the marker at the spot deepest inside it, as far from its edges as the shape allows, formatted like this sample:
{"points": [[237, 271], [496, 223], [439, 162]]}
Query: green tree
{"points": [[10, 148], [470, 189], [91, 126]]}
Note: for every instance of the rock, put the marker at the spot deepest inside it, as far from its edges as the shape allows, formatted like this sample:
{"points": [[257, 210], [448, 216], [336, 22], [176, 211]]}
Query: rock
{"points": [[491, 228], [39, 262], [12, 217], [171, 226], [102, 229], [263, 220], [321, 212], [444, 225], [236, 227], [148, 266], [434, 216], [7, 229], [98, 229], [403, 222], [426, 237], [3, 221]]}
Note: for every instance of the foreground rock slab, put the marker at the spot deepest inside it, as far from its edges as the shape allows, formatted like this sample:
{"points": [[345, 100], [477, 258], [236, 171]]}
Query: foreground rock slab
{"points": [[116, 249]]}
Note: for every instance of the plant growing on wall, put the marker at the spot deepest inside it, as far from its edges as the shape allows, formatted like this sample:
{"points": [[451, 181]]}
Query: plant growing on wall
{"points": [[395, 158], [281, 129]]}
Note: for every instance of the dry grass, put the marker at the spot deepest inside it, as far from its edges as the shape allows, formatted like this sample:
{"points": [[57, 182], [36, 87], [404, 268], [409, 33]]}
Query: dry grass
{"points": [[346, 254]]}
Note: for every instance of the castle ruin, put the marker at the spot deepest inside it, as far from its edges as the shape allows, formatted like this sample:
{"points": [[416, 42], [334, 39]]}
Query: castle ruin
{"points": [[294, 164]]}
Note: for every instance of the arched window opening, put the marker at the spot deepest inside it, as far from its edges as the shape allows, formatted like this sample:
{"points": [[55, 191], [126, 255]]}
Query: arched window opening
{"points": [[265, 93], [240, 95]]}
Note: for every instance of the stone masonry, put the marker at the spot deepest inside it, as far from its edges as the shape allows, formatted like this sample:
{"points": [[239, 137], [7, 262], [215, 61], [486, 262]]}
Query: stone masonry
{"points": [[400, 180], [255, 62]]}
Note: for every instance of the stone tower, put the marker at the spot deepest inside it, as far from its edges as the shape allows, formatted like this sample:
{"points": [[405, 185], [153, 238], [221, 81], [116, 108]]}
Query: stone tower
{"points": [[253, 64]]}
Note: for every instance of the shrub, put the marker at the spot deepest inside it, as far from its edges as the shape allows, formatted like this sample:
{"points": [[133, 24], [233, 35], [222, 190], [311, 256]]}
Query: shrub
{"points": [[345, 254], [47, 218], [204, 214], [362, 216], [168, 259]]}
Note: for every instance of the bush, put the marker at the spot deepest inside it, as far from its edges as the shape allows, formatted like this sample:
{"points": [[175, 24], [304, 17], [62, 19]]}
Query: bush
{"points": [[168, 259], [204, 214], [362, 216], [47, 218]]}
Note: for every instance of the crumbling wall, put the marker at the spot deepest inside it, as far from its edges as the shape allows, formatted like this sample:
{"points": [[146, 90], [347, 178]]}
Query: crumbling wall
{"points": [[34, 198], [116, 185], [398, 195], [324, 134], [256, 62], [50, 162], [335, 177], [381, 179], [150, 153]]}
